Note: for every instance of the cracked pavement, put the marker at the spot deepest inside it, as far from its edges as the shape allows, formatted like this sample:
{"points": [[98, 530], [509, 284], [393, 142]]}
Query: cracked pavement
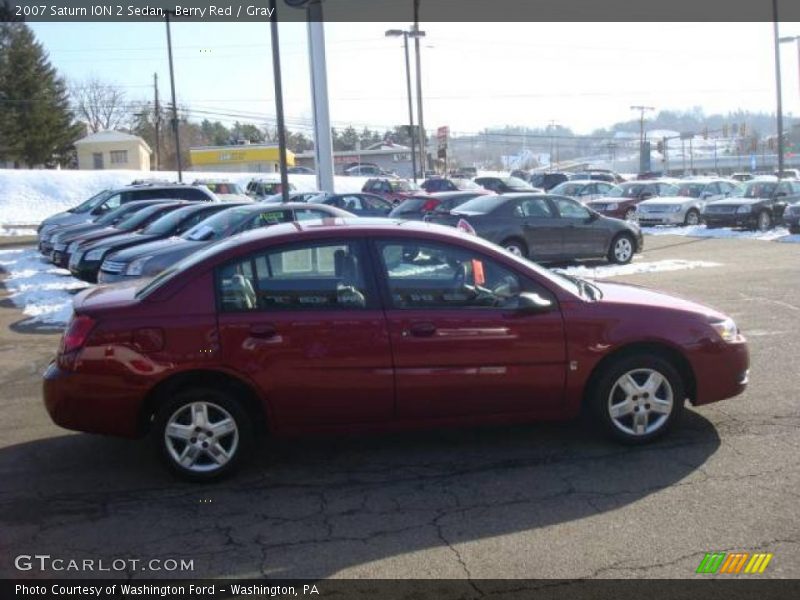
{"points": [[548, 500]]}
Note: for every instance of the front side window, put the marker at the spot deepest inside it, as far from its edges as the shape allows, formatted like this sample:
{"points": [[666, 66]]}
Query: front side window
{"points": [[570, 210], [429, 275], [535, 207], [323, 275]]}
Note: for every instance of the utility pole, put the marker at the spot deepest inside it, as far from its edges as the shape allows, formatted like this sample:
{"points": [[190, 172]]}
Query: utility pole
{"points": [[278, 84], [665, 141], [323, 145], [641, 110], [778, 85], [174, 106], [691, 155], [551, 127], [157, 124], [423, 146]]}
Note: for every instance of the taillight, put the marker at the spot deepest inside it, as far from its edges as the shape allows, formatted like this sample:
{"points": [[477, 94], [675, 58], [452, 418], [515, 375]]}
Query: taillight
{"points": [[464, 225], [430, 205], [77, 333]]}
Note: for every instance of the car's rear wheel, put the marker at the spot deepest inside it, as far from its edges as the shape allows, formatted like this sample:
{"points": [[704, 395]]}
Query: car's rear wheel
{"points": [[622, 249], [202, 434], [515, 247], [630, 214], [638, 398], [764, 221], [692, 217]]}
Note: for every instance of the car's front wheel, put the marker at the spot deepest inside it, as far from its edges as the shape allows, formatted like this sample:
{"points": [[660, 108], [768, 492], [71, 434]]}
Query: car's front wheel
{"points": [[764, 221], [692, 217], [638, 398], [515, 247], [622, 249], [202, 433]]}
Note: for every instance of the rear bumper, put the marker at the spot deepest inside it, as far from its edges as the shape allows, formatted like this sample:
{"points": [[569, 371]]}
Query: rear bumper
{"points": [[721, 371], [82, 403]]}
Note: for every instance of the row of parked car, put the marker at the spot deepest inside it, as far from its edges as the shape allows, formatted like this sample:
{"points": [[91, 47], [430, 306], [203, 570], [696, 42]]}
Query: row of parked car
{"points": [[274, 318]]}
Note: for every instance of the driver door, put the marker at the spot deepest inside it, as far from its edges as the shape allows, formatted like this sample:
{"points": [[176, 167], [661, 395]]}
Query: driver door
{"points": [[459, 346]]}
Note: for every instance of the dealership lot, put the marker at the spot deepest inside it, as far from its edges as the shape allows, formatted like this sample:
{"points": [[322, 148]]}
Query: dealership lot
{"points": [[545, 500]]}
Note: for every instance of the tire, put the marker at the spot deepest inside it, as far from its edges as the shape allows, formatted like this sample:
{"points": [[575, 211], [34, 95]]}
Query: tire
{"points": [[794, 229], [647, 377], [227, 421], [622, 249], [692, 217], [764, 221], [516, 247], [630, 214]]}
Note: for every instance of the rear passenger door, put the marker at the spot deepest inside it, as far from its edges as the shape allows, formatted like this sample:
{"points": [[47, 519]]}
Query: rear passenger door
{"points": [[542, 228], [304, 323]]}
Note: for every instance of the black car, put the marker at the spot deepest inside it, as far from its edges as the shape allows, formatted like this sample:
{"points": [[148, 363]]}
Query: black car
{"points": [[447, 184], [546, 228], [417, 209], [359, 203], [547, 181], [758, 205], [108, 200], [146, 260], [56, 244], [504, 185], [791, 217], [172, 223], [83, 267]]}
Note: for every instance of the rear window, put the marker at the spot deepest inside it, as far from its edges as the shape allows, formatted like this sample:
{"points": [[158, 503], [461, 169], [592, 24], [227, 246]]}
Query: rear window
{"points": [[403, 186], [215, 227], [409, 206], [141, 217], [482, 205]]}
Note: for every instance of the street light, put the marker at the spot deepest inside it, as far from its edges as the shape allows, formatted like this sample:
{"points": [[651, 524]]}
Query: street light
{"points": [[405, 35], [789, 39]]}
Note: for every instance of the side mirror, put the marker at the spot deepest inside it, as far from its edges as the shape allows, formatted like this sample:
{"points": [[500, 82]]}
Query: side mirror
{"points": [[531, 303]]}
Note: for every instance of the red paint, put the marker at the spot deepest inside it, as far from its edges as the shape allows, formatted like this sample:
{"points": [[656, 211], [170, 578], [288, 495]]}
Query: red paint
{"points": [[374, 368]]}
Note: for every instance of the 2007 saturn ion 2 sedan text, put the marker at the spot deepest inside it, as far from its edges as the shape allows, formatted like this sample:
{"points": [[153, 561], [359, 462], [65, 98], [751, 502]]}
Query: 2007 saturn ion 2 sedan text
{"points": [[351, 324]]}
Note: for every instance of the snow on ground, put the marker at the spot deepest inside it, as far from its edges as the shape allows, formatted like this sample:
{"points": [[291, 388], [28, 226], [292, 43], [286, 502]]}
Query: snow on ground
{"points": [[43, 291], [28, 196], [16, 231], [779, 234]]}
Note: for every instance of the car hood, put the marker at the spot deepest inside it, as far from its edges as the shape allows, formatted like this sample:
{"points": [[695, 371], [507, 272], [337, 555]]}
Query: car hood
{"points": [[86, 239], [155, 248], [66, 218], [629, 294], [669, 200], [122, 238]]}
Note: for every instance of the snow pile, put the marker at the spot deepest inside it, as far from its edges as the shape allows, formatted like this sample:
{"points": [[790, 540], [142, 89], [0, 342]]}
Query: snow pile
{"points": [[43, 291], [634, 268], [780, 234], [16, 231], [29, 196]]}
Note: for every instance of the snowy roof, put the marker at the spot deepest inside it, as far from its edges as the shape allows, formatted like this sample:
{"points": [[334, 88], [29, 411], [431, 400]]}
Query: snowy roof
{"points": [[110, 135]]}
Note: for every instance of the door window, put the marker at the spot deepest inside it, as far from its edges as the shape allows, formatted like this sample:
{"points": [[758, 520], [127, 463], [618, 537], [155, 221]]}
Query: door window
{"points": [[570, 209], [352, 203], [441, 276], [328, 275], [535, 207]]}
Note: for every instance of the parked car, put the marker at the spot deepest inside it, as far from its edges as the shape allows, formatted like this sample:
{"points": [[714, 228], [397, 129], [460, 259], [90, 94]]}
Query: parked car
{"points": [[54, 244], [300, 170], [600, 175], [791, 217], [359, 204], [293, 197], [226, 191], [687, 206], [583, 190], [621, 201], [258, 189], [108, 200], [547, 181], [464, 172], [361, 324], [546, 228], [788, 174], [742, 176], [84, 259], [393, 190], [758, 205], [445, 184], [418, 209], [147, 260], [367, 170], [505, 185]]}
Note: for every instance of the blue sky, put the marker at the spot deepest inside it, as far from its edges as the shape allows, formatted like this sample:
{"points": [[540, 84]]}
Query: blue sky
{"points": [[583, 75]]}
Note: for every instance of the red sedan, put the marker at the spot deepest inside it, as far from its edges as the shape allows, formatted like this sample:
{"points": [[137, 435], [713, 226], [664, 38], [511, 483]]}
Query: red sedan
{"points": [[374, 323]]}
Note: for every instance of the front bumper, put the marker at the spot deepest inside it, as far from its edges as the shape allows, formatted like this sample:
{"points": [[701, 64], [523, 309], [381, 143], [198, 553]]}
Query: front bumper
{"points": [[106, 277], [721, 371], [651, 219], [748, 220], [86, 270], [60, 259]]}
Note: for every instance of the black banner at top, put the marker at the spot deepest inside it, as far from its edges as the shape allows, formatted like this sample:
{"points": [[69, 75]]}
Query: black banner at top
{"points": [[401, 10]]}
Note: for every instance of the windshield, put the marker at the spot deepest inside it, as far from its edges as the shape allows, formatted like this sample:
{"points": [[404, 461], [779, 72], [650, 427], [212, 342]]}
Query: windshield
{"points": [[481, 205], [139, 218], [627, 191], [213, 228], [760, 189], [163, 225], [404, 186], [568, 189], [116, 215], [183, 264], [515, 182], [691, 190], [92, 202]]}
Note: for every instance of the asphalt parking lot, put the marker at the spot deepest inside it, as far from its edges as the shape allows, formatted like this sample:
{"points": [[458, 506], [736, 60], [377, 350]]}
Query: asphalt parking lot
{"points": [[535, 501]]}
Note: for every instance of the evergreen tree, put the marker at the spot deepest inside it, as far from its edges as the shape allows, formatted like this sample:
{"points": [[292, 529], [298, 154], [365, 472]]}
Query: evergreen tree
{"points": [[36, 127]]}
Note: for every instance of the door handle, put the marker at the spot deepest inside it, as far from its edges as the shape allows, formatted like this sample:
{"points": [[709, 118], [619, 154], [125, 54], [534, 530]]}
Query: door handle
{"points": [[264, 331], [420, 330]]}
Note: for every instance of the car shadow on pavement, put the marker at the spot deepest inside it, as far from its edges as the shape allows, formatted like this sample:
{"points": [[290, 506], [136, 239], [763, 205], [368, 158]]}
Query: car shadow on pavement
{"points": [[312, 507]]}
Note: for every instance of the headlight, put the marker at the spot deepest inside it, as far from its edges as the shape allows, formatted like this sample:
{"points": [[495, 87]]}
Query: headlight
{"points": [[744, 209], [95, 254], [726, 329], [677, 208], [612, 206], [72, 247], [137, 266]]}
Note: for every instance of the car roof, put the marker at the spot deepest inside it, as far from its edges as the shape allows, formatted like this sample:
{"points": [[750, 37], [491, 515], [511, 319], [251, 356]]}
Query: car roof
{"points": [[455, 194]]}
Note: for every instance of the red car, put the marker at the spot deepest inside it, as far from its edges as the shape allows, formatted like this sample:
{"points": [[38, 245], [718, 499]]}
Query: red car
{"points": [[355, 324], [393, 190]]}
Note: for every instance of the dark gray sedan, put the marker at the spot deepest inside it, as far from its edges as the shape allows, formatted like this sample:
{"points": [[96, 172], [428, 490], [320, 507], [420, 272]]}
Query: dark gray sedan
{"points": [[546, 228], [146, 260]]}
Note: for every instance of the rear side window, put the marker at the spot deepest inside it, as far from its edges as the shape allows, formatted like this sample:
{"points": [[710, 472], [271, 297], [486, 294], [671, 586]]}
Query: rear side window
{"points": [[320, 276]]}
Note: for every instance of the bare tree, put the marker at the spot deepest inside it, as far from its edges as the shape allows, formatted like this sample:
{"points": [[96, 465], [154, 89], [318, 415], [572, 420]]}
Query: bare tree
{"points": [[101, 105]]}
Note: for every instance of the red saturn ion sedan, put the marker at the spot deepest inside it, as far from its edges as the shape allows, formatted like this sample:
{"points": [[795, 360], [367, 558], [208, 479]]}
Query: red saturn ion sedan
{"points": [[374, 323]]}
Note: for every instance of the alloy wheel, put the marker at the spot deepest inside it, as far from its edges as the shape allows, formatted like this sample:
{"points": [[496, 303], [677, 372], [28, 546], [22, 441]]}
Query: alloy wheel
{"points": [[640, 402], [201, 437], [515, 250], [692, 218], [764, 221], [623, 249]]}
